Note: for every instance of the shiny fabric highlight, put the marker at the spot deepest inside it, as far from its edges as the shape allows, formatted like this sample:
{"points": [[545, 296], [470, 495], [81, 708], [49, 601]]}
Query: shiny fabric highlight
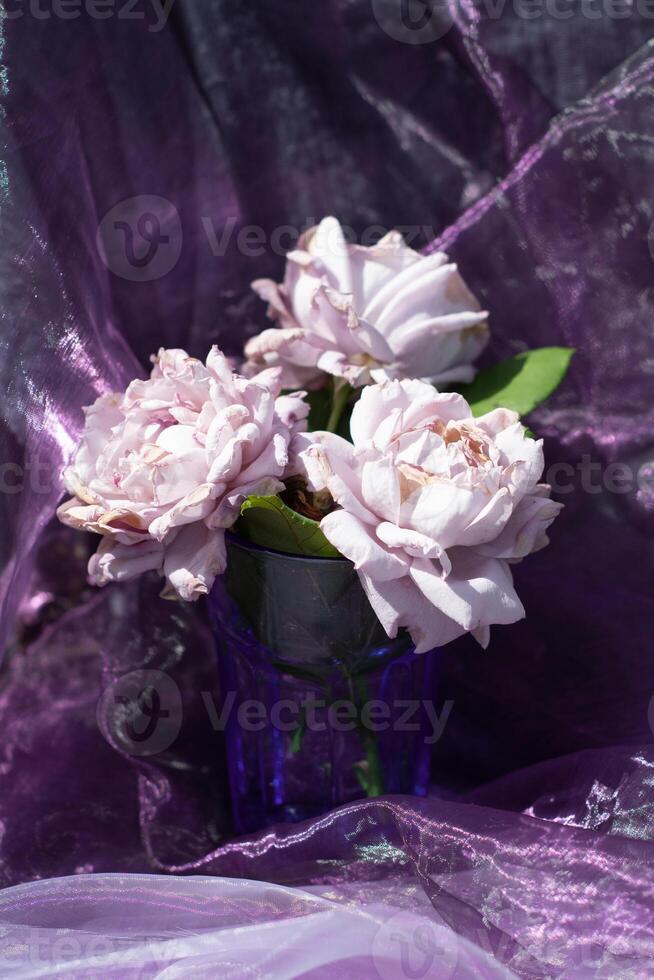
{"points": [[144, 927]]}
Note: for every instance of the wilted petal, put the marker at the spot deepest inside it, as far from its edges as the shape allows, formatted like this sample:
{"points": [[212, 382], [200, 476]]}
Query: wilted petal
{"points": [[338, 312], [293, 410], [430, 628], [115, 562], [294, 376], [337, 456], [194, 507], [192, 561], [327, 467], [278, 307], [295, 344], [482, 636], [293, 350], [392, 600], [341, 366], [122, 524], [76, 514], [174, 363], [333, 320], [260, 392], [220, 368]]}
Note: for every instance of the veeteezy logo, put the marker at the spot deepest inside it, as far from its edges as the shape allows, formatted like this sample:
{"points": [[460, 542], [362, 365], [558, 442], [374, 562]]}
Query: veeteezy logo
{"points": [[154, 13], [416, 947], [140, 239], [413, 21], [316, 714], [141, 713]]}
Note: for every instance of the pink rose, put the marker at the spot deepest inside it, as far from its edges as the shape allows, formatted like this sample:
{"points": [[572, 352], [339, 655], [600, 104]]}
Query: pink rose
{"points": [[367, 314], [162, 469], [435, 506]]}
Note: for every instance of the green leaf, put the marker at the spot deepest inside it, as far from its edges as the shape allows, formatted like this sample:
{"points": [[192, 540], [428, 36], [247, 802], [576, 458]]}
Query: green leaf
{"points": [[521, 383], [268, 522]]}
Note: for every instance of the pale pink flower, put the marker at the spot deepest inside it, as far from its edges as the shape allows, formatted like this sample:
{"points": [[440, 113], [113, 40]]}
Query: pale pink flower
{"points": [[435, 506], [162, 469], [366, 314]]}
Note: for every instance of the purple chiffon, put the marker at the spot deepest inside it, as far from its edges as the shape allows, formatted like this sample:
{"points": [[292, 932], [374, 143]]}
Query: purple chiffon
{"points": [[527, 148]]}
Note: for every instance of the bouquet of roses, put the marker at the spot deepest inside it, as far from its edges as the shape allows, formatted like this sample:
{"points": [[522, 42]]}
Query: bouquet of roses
{"points": [[355, 427]]}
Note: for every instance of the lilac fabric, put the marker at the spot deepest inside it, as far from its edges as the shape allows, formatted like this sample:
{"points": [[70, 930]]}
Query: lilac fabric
{"points": [[141, 926], [537, 842]]}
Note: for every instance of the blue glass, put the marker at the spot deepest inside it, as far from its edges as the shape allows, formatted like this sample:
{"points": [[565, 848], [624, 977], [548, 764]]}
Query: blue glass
{"points": [[320, 707]]}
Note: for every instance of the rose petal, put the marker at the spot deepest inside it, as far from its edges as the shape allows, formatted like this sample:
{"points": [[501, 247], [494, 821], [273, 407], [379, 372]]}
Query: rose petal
{"points": [[477, 592], [355, 540], [414, 544], [401, 603], [328, 469], [525, 531], [192, 561], [115, 562]]}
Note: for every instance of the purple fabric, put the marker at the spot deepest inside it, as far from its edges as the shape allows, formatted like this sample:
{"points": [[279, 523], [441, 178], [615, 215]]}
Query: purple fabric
{"points": [[537, 841]]}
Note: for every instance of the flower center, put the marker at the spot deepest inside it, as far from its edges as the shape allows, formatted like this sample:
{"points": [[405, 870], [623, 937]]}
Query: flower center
{"points": [[472, 441], [412, 478], [471, 444]]}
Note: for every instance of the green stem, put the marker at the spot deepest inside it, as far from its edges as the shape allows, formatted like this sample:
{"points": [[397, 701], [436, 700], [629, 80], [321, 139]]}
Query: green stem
{"points": [[340, 398], [375, 785], [375, 775]]}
